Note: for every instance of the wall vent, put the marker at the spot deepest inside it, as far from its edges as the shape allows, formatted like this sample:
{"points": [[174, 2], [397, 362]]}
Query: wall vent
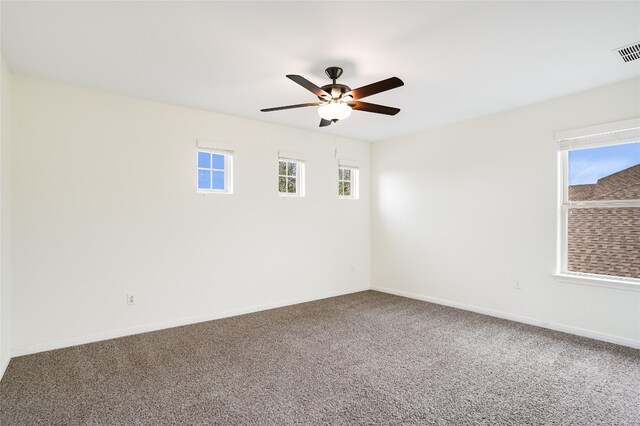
{"points": [[630, 53]]}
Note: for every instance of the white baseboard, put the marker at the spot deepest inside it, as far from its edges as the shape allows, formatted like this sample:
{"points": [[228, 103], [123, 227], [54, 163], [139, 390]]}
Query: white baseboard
{"points": [[80, 340], [3, 366], [31, 349], [623, 341]]}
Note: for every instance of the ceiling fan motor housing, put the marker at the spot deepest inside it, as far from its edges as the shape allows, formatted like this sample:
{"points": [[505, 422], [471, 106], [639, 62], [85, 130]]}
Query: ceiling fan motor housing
{"points": [[335, 90]]}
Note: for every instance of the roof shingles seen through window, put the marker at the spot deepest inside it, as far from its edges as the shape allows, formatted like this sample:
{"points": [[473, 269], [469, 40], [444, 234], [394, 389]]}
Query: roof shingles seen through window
{"points": [[606, 241]]}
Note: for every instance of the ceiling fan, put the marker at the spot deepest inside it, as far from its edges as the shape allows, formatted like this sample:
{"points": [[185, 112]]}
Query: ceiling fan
{"points": [[338, 100]]}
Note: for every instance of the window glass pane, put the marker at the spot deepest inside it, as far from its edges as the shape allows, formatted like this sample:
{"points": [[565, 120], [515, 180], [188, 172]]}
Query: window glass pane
{"points": [[347, 189], [218, 180], [291, 185], [604, 241], [282, 184], [204, 160], [347, 174], [340, 188], [204, 179], [282, 168], [605, 173], [218, 161], [340, 174], [292, 169]]}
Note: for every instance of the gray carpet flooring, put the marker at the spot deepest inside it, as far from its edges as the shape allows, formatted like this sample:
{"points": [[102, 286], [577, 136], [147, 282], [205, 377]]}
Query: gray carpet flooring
{"points": [[365, 358]]}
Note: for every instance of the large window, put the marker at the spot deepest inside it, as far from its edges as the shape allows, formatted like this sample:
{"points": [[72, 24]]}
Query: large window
{"points": [[600, 217], [290, 177], [214, 171]]}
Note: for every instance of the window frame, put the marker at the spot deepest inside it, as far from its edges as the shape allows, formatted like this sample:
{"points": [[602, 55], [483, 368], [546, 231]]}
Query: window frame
{"points": [[300, 178], [228, 171], [565, 205], [354, 181]]}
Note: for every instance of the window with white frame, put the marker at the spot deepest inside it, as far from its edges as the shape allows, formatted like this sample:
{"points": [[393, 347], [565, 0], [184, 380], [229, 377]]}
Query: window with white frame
{"points": [[348, 182], [600, 213], [290, 177], [214, 171]]}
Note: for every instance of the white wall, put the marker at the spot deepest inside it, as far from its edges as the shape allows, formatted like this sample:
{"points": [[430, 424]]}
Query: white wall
{"points": [[105, 204], [5, 216], [462, 210]]}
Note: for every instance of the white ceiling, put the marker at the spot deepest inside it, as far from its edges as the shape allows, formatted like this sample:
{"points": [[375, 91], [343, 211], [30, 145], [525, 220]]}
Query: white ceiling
{"points": [[458, 59]]}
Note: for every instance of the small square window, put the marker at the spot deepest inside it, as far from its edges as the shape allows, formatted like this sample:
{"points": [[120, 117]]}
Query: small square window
{"points": [[214, 171], [347, 182], [291, 178]]}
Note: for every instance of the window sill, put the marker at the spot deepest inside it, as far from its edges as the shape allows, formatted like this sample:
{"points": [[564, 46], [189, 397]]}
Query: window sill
{"points": [[290, 195], [204, 192], [629, 284]]}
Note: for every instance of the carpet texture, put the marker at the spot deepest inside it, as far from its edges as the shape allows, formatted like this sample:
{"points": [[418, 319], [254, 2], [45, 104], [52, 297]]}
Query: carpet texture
{"points": [[365, 358]]}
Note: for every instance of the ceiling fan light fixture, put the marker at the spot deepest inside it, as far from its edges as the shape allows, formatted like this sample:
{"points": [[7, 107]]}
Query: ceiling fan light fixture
{"points": [[334, 111], [336, 101]]}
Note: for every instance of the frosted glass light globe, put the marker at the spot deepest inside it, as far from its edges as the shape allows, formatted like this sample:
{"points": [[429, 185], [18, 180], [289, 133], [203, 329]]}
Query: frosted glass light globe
{"points": [[334, 111]]}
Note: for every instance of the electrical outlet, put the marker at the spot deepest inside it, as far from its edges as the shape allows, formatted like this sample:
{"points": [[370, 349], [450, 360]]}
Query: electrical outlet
{"points": [[131, 299], [516, 284]]}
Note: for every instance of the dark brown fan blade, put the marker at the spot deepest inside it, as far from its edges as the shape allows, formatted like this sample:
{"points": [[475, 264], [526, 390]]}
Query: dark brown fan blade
{"points": [[380, 109], [373, 88], [324, 123], [309, 86], [292, 106]]}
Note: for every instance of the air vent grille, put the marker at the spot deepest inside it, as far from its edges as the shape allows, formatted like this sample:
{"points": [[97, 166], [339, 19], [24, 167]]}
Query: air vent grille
{"points": [[630, 53]]}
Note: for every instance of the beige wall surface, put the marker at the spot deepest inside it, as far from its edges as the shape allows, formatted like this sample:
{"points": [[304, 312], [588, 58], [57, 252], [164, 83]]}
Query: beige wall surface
{"points": [[105, 204], [5, 216], [462, 211]]}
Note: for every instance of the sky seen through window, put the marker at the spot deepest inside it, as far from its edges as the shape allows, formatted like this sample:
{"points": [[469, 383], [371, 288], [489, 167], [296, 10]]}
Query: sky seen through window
{"points": [[586, 166]]}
